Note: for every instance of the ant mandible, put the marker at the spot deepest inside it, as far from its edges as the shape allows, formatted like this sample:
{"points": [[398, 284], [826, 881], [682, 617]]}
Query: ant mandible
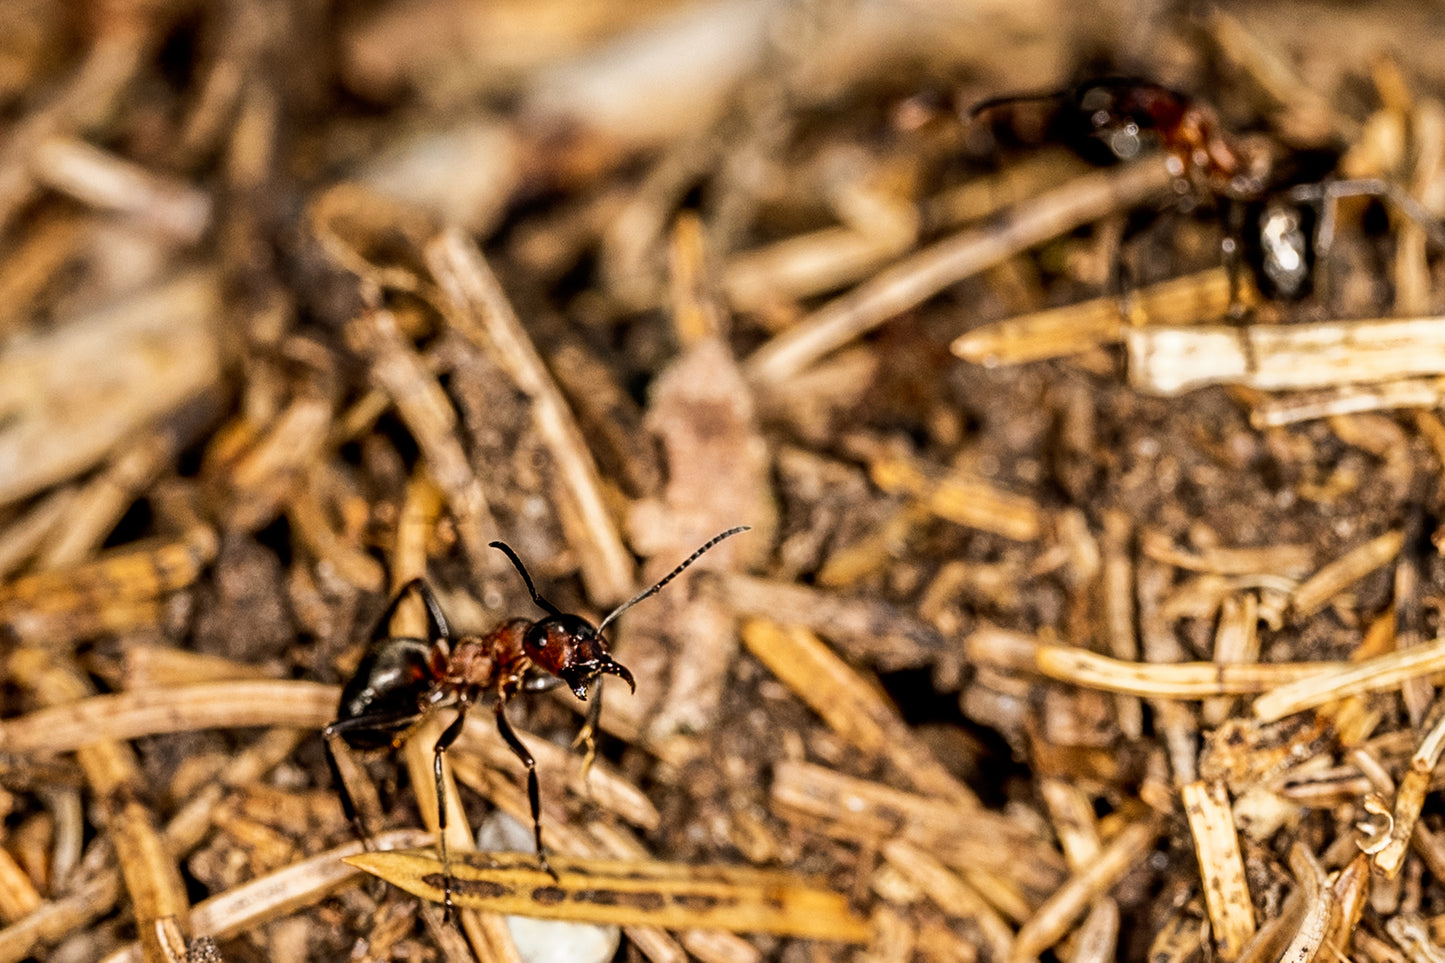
{"points": [[403, 680]]}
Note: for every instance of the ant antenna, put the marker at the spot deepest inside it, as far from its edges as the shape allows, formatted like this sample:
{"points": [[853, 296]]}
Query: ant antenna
{"points": [[541, 602], [670, 576]]}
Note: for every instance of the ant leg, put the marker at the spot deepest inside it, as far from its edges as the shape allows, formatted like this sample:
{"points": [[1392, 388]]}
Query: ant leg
{"points": [[534, 791], [443, 743], [334, 742], [587, 736], [434, 614], [348, 805]]}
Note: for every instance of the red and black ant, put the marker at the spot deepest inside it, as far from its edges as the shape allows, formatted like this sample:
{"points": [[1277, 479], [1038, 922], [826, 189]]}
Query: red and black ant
{"points": [[1283, 213], [402, 681]]}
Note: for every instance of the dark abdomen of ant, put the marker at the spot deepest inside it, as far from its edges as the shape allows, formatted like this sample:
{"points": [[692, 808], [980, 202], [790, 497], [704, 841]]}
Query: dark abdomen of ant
{"points": [[385, 687]]}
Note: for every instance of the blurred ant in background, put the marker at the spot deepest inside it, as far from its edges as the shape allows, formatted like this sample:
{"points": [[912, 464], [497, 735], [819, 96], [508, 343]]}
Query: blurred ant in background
{"points": [[1278, 208], [402, 681]]}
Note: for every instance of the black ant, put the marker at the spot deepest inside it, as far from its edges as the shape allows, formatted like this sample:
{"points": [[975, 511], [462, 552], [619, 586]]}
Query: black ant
{"points": [[1284, 216], [402, 681]]}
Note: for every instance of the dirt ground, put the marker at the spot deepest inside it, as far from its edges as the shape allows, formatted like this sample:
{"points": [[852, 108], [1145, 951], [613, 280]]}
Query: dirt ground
{"points": [[1090, 601]]}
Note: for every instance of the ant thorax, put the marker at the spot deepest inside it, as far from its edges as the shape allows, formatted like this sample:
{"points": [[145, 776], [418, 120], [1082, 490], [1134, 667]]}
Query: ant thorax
{"points": [[481, 663]]}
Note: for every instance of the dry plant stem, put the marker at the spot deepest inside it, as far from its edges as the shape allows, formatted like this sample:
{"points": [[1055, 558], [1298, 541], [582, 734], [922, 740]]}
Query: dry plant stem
{"points": [[102, 500], [147, 355], [1075, 328], [432, 420], [670, 895], [1409, 620], [1274, 934], [929, 271], [603, 840], [18, 895], [53, 920], [283, 892], [1351, 886], [274, 468], [151, 876], [1336, 682], [1352, 399], [1226, 890], [350, 561], [718, 946], [696, 313], [602, 785], [1052, 920], [1410, 797], [1413, 934], [166, 934], [958, 498], [610, 840], [48, 245], [141, 572], [979, 842], [130, 715], [1158, 643], [480, 311], [1286, 560], [23, 537], [1327, 354], [97, 895], [867, 630], [1319, 902], [951, 894], [109, 183], [806, 265], [1313, 593], [851, 706], [1117, 584], [1097, 938], [486, 932], [1072, 814], [989, 194], [1179, 680], [1236, 641], [91, 95]]}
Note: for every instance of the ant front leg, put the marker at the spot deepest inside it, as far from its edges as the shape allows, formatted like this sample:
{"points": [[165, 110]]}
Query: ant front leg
{"points": [[587, 736], [534, 791], [444, 742]]}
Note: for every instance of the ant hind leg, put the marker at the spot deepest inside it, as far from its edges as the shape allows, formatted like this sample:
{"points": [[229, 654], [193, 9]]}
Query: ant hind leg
{"points": [[444, 742], [534, 792]]}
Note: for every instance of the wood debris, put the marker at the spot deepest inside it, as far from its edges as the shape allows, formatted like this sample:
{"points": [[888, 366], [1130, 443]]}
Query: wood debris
{"points": [[1083, 413]]}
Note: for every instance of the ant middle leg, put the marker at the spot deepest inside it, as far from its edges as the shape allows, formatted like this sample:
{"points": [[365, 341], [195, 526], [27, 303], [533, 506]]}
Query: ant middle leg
{"points": [[444, 742], [534, 791]]}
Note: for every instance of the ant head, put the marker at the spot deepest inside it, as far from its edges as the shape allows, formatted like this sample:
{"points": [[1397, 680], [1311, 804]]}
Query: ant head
{"points": [[570, 647]]}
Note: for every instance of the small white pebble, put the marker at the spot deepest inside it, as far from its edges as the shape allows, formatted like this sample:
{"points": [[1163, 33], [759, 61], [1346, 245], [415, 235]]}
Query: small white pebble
{"points": [[545, 941]]}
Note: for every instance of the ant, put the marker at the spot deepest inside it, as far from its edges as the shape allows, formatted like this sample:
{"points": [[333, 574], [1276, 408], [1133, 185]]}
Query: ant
{"points": [[403, 680], [1285, 217]]}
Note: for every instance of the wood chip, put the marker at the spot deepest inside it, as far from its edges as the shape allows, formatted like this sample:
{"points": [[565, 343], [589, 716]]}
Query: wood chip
{"points": [[1226, 890], [1327, 354], [1075, 328]]}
